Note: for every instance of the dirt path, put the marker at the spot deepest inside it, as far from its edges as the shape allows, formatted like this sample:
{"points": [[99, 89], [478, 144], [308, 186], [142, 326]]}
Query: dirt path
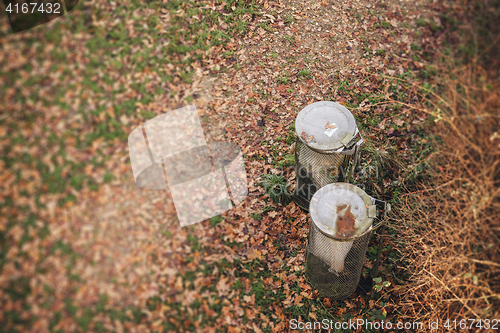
{"points": [[299, 53]]}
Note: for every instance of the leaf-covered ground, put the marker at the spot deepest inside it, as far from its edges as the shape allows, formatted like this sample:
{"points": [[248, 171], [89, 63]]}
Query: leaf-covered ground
{"points": [[83, 249]]}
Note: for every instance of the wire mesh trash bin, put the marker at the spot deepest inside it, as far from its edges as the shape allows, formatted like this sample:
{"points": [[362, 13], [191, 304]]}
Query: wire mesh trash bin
{"points": [[327, 148], [341, 223]]}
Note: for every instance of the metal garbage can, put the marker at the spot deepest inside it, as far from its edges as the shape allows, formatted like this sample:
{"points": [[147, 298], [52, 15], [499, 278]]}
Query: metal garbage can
{"points": [[341, 223], [327, 148]]}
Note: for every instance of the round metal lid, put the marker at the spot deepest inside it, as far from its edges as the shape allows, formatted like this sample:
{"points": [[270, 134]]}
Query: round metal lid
{"points": [[322, 125], [342, 211]]}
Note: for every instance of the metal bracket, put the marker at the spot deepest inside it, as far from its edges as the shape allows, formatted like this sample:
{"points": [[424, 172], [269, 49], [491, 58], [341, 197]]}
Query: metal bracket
{"points": [[387, 209], [350, 143], [372, 211], [380, 204], [383, 206], [357, 154], [346, 141]]}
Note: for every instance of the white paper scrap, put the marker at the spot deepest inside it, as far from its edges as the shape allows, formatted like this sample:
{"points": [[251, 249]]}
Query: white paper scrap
{"points": [[330, 131]]}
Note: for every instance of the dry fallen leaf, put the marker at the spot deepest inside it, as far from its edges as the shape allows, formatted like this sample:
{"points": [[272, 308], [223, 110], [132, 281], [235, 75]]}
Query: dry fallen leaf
{"points": [[222, 286], [255, 254], [310, 138], [350, 305], [303, 135]]}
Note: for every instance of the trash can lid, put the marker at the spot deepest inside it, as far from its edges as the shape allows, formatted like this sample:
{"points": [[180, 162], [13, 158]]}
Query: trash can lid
{"points": [[325, 125], [342, 211]]}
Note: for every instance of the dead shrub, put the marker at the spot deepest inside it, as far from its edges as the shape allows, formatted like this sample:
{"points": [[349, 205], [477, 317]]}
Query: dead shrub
{"points": [[451, 225]]}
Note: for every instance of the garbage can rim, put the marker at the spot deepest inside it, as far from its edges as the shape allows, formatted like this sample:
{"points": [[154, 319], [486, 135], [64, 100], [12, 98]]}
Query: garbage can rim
{"points": [[326, 126], [364, 216]]}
